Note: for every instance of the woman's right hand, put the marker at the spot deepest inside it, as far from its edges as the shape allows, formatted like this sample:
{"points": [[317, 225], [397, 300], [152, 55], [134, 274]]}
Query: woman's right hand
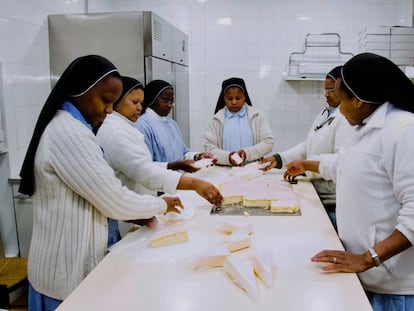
{"points": [[173, 204], [241, 154], [208, 191]]}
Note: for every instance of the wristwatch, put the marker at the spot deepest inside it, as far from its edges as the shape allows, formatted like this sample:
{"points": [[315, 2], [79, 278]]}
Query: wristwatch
{"points": [[374, 256]]}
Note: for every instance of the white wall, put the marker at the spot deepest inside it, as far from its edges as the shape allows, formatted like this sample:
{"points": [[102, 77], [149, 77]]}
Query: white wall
{"points": [[255, 46]]}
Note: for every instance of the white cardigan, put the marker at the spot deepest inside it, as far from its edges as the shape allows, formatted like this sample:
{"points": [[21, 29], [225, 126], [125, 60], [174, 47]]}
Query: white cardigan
{"points": [[328, 139], [374, 175], [127, 153], [75, 192], [262, 137]]}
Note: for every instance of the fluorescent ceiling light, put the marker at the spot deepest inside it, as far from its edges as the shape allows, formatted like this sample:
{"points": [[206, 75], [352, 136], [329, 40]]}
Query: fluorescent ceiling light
{"points": [[224, 21]]}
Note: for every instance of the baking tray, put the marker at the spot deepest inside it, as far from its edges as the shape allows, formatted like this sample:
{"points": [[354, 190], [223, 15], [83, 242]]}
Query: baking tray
{"points": [[234, 210]]}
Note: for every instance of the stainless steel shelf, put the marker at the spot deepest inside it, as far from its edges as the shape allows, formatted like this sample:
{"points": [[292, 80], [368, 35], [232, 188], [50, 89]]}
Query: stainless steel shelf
{"points": [[320, 54]]}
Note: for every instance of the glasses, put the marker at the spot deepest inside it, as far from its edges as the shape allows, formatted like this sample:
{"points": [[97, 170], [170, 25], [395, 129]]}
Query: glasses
{"points": [[328, 91]]}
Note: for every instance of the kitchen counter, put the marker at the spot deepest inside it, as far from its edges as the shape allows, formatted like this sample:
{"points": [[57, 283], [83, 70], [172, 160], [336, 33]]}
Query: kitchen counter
{"points": [[135, 276]]}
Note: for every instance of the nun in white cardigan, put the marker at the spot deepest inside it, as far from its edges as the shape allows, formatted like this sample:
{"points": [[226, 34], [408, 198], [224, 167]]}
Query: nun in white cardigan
{"points": [[237, 128], [74, 189]]}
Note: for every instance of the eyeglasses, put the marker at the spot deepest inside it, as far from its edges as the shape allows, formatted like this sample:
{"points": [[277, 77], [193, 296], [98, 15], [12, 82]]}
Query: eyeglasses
{"points": [[328, 91]]}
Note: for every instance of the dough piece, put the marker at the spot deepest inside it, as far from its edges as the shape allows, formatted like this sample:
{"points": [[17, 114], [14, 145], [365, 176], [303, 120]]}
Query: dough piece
{"points": [[203, 162], [263, 265], [231, 226], [240, 270], [232, 199], [250, 202], [237, 241], [169, 236], [236, 158], [215, 257]]}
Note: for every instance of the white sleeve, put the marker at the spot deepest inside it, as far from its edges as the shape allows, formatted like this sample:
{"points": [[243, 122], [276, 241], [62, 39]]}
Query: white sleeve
{"points": [[128, 153], [78, 161], [328, 165]]}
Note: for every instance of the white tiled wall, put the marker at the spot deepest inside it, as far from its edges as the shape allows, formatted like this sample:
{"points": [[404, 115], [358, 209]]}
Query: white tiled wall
{"points": [[250, 39]]}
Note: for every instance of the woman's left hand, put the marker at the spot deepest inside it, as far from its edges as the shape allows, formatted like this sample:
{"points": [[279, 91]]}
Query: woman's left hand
{"points": [[208, 155], [293, 169], [341, 261]]}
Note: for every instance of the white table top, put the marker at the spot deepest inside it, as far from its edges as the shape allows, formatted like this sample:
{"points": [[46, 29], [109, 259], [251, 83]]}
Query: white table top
{"points": [[135, 276]]}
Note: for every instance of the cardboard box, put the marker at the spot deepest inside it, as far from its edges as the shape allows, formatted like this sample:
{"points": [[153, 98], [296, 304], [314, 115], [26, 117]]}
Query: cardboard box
{"points": [[385, 53], [402, 46], [380, 30], [402, 53], [402, 38], [401, 30], [374, 46], [403, 61]]}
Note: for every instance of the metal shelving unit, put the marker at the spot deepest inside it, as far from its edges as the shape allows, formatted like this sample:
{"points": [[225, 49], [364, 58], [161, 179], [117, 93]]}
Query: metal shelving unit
{"points": [[320, 54]]}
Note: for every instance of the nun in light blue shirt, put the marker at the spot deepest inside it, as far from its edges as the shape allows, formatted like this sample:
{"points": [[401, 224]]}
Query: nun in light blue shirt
{"points": [[162, 134]]}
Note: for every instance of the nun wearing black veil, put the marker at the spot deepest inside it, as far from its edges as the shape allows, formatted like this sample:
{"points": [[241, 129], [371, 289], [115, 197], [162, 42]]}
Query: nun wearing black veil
{"points": [[327, 134], [238, 132], [374, 174], [74, 190], [162, 134]]}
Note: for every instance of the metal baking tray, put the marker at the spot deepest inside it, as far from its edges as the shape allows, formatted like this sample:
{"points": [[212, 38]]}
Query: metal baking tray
{"points": [[241, 210]]}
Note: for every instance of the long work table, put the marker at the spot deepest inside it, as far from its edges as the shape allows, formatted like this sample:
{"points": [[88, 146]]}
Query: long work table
{"points": [[136, 276]]}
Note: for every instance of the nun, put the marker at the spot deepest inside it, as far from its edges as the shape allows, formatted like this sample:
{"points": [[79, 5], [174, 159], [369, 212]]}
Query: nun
{"points": [[74, 190], [374, 174], [238, 133], [327, 134], [162, 134]]}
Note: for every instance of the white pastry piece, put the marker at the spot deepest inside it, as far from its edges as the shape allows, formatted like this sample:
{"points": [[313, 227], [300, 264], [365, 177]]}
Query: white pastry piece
{"points": [[240, 270], [233, 225], [215, 257], [287, 202], [185, 214], [263, 265], [237, 241], [203, 162], [251, 202], [284, 206], [236, 158], [232, 199], [169, 236], [256, 165]]}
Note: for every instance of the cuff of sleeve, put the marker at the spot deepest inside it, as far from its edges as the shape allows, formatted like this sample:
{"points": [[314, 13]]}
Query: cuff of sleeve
{"points": [[171, 182], [279, 161], [409, 234], [190, 155]]}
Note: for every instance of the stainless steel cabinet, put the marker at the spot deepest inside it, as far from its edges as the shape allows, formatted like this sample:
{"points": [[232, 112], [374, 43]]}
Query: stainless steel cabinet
{"points": [[140, 44]]}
